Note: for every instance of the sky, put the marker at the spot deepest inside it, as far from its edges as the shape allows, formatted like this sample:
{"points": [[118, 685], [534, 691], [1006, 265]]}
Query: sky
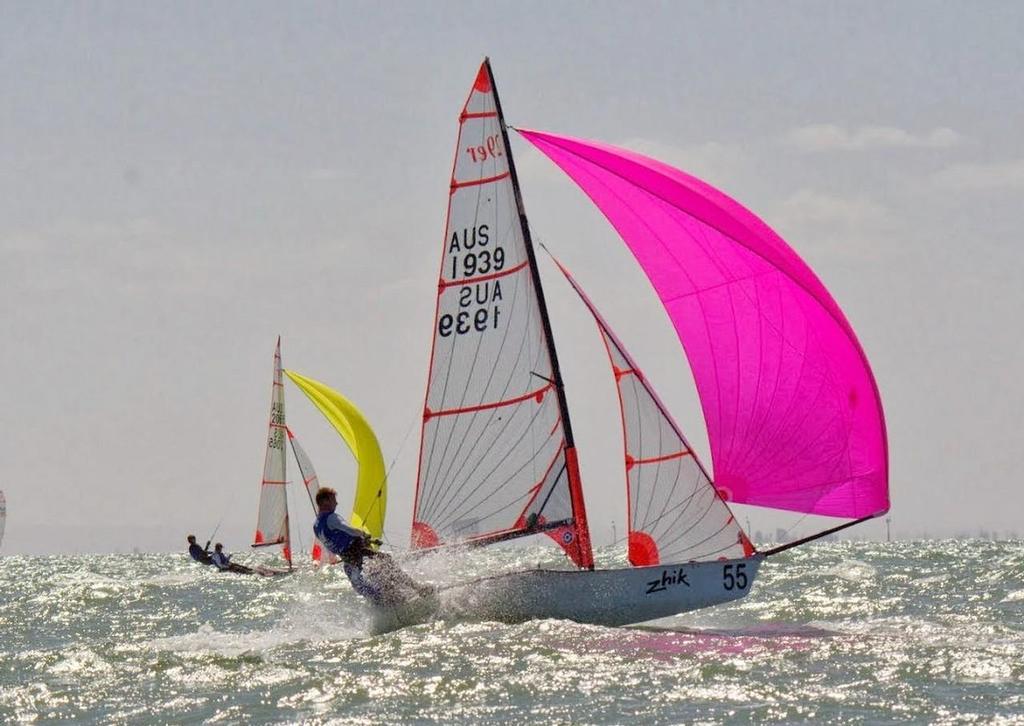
{"points": [[182, 183]]}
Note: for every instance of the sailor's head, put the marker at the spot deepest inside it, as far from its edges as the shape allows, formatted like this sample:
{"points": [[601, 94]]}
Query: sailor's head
{"points": [[218, 547], [326, 499], [191, 539]]}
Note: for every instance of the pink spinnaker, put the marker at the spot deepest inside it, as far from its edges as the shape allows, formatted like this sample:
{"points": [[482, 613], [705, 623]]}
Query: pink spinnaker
{"points": [[793, 414]]}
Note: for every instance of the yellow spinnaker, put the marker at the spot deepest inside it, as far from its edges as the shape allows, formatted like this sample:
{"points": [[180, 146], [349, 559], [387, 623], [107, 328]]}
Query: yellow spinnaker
{"points": [[371, 485]]}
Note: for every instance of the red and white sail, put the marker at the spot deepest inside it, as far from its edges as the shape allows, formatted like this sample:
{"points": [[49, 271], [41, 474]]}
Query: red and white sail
{"points": [[272, 517], [496, 454], [674, 511]]}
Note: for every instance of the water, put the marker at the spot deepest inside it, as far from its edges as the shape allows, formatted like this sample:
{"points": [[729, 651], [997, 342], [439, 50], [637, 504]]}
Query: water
{"points": [[909, 632]]}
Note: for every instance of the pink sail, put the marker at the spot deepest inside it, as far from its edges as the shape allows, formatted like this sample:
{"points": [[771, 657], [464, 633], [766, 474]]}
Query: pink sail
{"points": [[793, 414]]}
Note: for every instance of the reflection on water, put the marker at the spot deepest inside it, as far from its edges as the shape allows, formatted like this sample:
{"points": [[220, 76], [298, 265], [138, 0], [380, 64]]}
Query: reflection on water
{"points": [[920, 632]]}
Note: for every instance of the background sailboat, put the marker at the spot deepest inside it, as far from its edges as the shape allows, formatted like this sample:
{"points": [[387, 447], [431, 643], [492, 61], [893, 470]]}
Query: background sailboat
{"points": [[272, 518], [793, 415], [3, 515]]}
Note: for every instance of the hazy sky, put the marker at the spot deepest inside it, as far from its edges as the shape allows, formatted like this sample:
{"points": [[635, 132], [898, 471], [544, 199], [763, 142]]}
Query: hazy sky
{"points": [[180, 183]]}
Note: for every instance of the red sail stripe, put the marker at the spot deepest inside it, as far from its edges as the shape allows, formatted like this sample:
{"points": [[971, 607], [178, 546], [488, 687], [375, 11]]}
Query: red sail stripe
{"points": [[479, 114], [442, 284], [538, 394], [271, 481], [477, 182], [631, 462]]}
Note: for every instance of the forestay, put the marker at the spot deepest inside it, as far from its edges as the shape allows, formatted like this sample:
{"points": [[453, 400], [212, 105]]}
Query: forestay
{"points": [[793, 415], [495, 458], [674, 511], [272, 517]]}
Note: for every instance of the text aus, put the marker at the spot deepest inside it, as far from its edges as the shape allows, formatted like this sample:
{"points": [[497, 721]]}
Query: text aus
{"points": [[470, 255]]}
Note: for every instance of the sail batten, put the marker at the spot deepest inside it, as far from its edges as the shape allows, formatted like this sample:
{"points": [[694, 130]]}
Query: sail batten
{"points": [[792, 410]]}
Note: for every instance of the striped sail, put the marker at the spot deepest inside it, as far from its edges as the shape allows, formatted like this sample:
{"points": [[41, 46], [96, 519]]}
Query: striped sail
{"points": [[674, 511], [272, 517], [496, 455]]}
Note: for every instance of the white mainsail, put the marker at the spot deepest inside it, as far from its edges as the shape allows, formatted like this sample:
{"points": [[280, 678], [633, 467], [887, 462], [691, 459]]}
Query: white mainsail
{"points": [[3, 515], [496, 456]]}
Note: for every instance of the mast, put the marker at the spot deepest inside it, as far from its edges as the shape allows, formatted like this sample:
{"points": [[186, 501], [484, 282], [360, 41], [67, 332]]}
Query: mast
{"points": [[571, 462]]}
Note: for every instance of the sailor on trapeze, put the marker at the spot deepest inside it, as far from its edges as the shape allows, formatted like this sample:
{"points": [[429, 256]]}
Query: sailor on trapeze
{"points": [[374, 575]]}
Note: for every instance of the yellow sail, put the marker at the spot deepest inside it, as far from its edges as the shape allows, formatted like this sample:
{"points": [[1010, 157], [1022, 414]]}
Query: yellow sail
{"points": [[371, 485]]}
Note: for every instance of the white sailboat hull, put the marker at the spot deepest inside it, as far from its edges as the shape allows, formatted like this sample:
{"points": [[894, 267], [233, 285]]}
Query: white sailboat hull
{"points": [[599, 597]]}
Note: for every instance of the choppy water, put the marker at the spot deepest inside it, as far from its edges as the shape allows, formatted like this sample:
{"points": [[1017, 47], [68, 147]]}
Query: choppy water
{"points": [[838, 632]]}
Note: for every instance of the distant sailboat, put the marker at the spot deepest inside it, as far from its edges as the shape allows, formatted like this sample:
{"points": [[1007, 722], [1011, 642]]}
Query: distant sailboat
{"points": [[793, 414], [272, 519]]}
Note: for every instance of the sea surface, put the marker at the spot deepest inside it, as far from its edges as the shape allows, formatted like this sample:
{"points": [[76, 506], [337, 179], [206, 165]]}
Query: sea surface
{"points": [[838, 632]]}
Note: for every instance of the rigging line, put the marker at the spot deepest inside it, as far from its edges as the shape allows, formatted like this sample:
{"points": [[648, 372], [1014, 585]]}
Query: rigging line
{"points": [[795, 524]]}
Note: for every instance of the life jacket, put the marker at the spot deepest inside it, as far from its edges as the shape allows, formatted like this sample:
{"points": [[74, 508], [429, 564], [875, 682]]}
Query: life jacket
{"points": [[335, 539]]}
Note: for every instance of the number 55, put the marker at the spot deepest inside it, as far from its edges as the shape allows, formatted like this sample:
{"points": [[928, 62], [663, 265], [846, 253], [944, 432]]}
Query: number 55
{"points": [[734, 576]]}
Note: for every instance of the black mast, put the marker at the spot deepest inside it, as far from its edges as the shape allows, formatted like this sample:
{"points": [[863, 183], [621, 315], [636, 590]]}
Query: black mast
{"points": [[534, 272], [575, 493]]}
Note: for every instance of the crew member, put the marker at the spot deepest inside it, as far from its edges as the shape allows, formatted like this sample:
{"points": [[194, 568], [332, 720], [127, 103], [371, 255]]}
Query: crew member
{"points": [[223, 561], [383, 579], [199, 554]]}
